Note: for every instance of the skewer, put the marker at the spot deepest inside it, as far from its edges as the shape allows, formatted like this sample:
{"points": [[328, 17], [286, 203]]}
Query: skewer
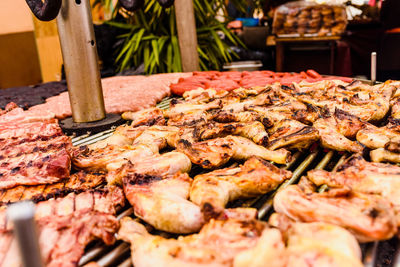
{"points": [[126, 263], [116, 253], [370, 255], [89, 138], [324, 187], [92, 254]]}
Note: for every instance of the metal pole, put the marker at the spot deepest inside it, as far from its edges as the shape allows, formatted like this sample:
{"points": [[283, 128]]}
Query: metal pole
{"points": [[22, 216], [373, 68], [78, 45]]}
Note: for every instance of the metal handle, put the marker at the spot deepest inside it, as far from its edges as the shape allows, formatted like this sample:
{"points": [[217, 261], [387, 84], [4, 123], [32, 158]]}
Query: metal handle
{"points": [[75, 28], [47, 10], [22, 217], [373, 67]]}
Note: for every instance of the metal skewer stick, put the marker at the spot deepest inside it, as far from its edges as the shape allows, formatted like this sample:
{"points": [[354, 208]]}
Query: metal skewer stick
{"points": [[373, 68], [22, 217]]}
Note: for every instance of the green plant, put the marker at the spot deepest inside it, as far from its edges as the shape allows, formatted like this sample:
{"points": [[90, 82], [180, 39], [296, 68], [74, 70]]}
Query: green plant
{"points": [[150, 36]]}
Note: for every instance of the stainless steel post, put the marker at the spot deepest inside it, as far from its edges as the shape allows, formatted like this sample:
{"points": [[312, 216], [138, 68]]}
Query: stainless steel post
{"points": [[78, 45], [373, 68], [22, 217]]}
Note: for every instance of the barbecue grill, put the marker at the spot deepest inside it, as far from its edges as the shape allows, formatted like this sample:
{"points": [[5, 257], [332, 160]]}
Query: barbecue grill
{"points": [[386, 253]]}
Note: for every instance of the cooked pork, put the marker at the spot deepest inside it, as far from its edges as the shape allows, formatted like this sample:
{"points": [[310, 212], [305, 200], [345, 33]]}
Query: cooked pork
{"points": [[77, 182], [66, 225]]}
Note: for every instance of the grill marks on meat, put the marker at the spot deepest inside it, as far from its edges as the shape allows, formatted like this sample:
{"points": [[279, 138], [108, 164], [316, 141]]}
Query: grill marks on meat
{"points": [[216, 244], [66, 225], [255, 177], [33, 151], [77, 182], [34, 168]]}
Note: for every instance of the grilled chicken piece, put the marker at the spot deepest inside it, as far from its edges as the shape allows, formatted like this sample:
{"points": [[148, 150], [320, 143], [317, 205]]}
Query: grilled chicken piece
{"points": [[255, 177], [395, 113], [110, 157], [216, 244], [163, 201], [122, 136], [148, 117], [316, 244], [253, 130], [228, 116], [370, 104], [158, 165], [368, 217], [157, 137], [291, 134], [216, 152], [189, 113], [335, 131], [383, 155], [374, 137], [203, 95], [269, 251], [364, 177], [258, 100]]}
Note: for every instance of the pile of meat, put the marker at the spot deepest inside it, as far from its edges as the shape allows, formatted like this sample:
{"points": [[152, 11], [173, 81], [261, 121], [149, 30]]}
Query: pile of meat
{"points": [[230, 139], [66, 225], [234, 79], [121, 93], [35, 162]]}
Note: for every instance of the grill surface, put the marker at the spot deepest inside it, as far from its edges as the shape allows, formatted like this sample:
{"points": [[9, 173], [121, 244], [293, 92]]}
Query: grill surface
{"points": [[374, 254]]}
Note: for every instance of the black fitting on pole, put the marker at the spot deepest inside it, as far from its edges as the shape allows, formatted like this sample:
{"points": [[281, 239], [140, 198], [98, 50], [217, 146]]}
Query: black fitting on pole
{"points": [[45, 11]]}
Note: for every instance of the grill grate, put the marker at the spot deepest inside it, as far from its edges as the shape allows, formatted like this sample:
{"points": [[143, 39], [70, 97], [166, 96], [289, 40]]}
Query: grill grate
{"points": [[317, 158]]}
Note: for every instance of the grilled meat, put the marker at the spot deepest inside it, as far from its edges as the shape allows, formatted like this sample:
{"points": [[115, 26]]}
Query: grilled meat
{"points": [[148, 117], [316, 244], [292, 134], [158, 165], [35, 168], [269, 250], [77, 182], [163, 201], [216, 244], [216, 152], [335, 131], [255, 177], [365, 177], [252, 130], [189, 113], [383, 155], [66, 225], [368, 217]]}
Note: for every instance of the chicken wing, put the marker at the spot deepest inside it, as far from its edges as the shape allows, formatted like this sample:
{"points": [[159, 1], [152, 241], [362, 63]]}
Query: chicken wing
{"points": [[336, 130], [368, 217], [216, 152], [148, 117], [162, 201], [292, 134], [255, 177], [165, 164], [317, 243], [253, 130], [215, 245]]}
